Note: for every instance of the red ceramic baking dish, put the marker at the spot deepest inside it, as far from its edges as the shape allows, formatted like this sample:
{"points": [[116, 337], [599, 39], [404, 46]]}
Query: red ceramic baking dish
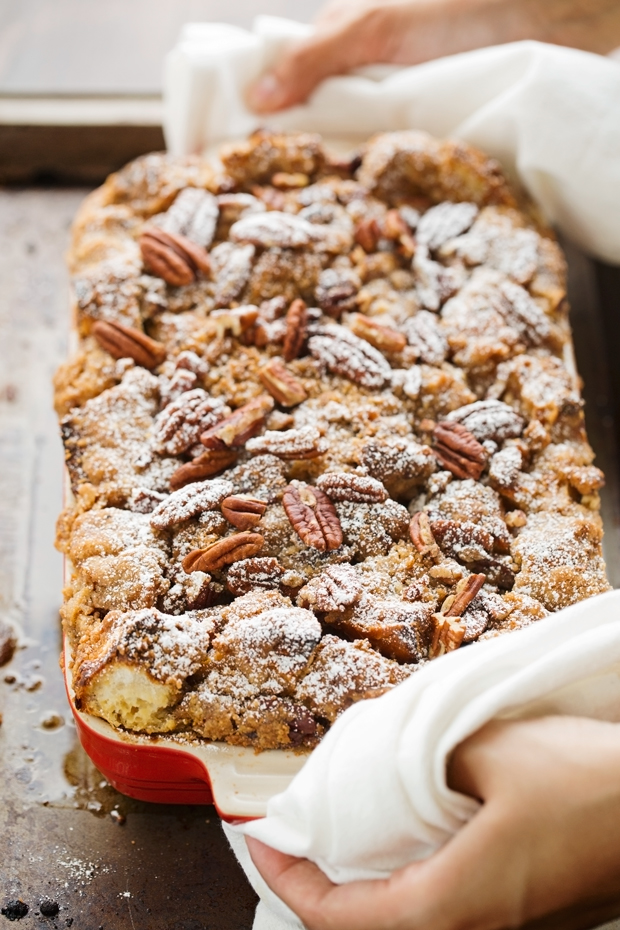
{"points": [[238, 781]]}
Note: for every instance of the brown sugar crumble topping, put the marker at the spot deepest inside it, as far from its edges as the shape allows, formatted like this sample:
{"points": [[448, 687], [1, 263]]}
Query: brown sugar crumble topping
{"points": [[320, 430]]}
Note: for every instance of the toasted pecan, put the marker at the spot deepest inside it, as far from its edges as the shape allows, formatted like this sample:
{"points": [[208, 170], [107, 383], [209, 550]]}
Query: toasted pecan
{"points": [[173, 257], [210, 463], [281, 384], [290, 444], [422, 535], [250, 574], [466, 591], [223, 552], [347, 486], [296, 329], [367, 234], [313, 516], [458, 450], [180, 423], [243, 510], [234, 430], [383, 338], [126, 342], [448, 634]]}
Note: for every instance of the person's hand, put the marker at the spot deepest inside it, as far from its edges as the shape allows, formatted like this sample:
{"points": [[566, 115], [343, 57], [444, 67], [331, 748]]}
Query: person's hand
{"points": [[543, 851], [352, 33]]}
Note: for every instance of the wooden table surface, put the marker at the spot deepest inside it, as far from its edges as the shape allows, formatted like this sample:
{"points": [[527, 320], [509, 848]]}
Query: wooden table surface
{"points": [[166, 868]]}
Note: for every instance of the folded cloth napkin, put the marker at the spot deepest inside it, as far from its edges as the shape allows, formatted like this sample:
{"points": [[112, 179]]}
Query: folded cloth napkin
{"points": [[551, 115]]}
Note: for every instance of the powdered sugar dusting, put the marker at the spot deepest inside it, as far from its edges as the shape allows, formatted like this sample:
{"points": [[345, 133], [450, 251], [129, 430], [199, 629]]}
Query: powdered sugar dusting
{"points": [[191, 501], [172, 648]]}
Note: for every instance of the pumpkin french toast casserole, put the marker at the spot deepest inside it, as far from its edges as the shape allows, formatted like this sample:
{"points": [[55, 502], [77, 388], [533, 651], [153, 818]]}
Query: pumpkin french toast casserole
{"points": [[321, 428]]}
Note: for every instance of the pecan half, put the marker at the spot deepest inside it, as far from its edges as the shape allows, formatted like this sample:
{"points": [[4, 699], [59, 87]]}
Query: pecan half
{"points": [[458, 450], [281, 384], [223, 552], [194, 214], [126, 342], [234, 430], [347, 486], [173, 257], [296, 329], [435, 282], [249, 574], [335, 589], [190, 502], [345, 354], [273, 229], [463, 540], [290, 444], [395, 228], [422, 535], [466, 591], [243, 511], [337, 290], [170, 389], [448, 634], [488, 419], [426, 338], [232, 266], [313, 517], [144, 500], [367, 234], [179, 425], [381, 337], [393, 225], [210, 463], [445, 221]]}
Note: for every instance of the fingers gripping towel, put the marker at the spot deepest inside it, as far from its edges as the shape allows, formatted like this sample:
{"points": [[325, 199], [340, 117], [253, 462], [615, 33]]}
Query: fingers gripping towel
{"points": [[551, 115]]}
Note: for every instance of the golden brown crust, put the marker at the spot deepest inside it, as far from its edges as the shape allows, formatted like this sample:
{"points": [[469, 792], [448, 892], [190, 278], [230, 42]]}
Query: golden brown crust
{"points": [[419, 312]]}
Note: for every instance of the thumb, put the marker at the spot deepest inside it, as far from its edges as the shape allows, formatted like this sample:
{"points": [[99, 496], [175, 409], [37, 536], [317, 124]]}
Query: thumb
{"points": [[300, 70]]}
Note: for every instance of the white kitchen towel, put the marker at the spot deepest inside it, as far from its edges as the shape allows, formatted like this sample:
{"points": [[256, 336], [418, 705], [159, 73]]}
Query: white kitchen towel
{"points": [[551, 115]]}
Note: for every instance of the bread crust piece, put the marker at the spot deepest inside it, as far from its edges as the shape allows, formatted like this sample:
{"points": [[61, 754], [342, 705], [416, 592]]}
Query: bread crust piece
{"points": [[418, 305]]}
